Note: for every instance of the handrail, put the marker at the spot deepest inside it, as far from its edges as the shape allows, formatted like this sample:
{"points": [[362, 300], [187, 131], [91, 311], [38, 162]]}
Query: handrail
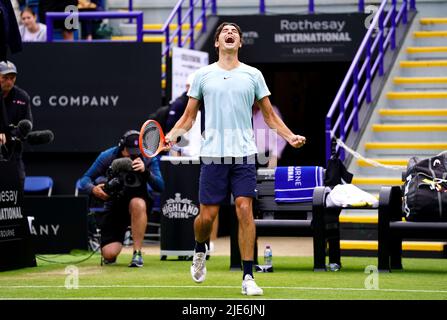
{"points": [[343, 115], [130, 9], [181, 19], [189, 15], [51, 16]]}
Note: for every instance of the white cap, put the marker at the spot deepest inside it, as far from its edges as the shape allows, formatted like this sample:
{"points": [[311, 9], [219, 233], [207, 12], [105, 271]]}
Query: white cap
{"points": [[7, 67]]}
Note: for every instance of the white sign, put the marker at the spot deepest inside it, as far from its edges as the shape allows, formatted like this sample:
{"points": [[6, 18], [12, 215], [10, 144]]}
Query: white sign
{"points": [[179, 208], [185, 62]]}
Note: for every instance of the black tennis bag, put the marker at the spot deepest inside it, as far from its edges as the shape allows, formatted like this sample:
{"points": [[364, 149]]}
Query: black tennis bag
{"points": [[425, 189]]}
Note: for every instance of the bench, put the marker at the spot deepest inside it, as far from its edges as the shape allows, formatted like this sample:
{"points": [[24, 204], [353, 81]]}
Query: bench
{"points": [[309, 219], [392, 230]]}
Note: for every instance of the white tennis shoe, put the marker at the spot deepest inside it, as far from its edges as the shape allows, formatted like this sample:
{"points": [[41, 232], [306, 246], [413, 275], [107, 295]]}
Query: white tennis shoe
{"points": [[250, 288], [198, 268]]}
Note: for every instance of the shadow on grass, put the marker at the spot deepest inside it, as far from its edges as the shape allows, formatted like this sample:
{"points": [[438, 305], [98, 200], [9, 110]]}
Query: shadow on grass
{"points": [[345, 268]]}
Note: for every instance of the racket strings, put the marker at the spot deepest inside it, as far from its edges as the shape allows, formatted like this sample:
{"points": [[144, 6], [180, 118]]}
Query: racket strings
{"points": [[151, 138]]}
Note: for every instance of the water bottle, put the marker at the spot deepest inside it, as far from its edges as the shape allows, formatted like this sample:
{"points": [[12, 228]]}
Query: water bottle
{"points": [[268, 255]]}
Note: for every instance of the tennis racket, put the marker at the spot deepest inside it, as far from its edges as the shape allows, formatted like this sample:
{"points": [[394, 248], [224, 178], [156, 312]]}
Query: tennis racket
{"points": [[152, 139]]}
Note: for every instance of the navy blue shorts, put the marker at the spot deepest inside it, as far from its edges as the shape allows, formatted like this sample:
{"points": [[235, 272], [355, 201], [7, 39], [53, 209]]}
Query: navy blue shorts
{"points": [[217, 180]]}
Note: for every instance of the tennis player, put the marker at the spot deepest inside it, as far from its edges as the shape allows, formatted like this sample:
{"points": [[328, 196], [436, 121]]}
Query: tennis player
{"points": [[228, 88]]}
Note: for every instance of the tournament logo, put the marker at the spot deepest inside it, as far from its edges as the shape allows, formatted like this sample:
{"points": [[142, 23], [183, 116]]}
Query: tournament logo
{"points": [[179, 208]]}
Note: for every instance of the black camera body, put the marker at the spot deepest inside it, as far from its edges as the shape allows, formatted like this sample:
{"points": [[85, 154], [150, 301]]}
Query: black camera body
{"points": [[121, 179]]}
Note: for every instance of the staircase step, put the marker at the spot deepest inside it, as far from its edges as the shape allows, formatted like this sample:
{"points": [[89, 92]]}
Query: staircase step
{"points": [[406, 245], [391, 162], [427, 52], [395, 95], [129, 29], [429, 34], [365, 169], [419, 80], [159, 39], [424, 68], [413, 112], [402, 104], [146, 38], [399, 149], [434, 35], [414, 50], [172, 27], [420, 83], [404, 115], [432, 146], [367, 219], [404, 132], [377, 181], [409, 127], [428, 21], [423, 63]]}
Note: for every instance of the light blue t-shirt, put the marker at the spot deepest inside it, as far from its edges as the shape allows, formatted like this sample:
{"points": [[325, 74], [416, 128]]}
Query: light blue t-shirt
{"points": [[228, 97]]}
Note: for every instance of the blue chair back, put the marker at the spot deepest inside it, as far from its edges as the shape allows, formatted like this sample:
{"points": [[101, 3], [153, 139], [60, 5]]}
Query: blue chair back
{"points": [[38, 184]]}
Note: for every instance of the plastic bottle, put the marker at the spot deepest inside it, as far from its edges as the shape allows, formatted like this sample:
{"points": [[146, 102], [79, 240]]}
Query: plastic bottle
{"points": [[268, 255]]}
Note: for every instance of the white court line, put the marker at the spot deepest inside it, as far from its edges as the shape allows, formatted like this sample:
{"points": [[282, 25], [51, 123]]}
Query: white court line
{"points": [[223, 287]]}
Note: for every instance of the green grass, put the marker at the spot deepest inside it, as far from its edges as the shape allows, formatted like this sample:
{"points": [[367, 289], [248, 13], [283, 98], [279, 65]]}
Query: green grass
{"points": [[293, 279]]}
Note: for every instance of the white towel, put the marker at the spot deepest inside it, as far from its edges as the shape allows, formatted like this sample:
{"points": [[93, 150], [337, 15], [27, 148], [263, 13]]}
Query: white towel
{"points": [[348, 195]]}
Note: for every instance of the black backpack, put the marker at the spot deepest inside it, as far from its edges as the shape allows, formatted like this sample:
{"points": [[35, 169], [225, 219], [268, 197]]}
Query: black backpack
{"points": [[425, 189]]}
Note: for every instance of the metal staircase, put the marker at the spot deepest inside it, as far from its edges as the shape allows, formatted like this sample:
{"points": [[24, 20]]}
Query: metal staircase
{"points": [[411, 119]]}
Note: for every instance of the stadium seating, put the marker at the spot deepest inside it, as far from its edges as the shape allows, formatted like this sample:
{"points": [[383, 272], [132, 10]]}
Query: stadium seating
{"points": [[38, 185]]}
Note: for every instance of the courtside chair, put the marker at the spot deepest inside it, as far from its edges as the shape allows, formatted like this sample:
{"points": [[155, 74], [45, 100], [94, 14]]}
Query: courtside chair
{"points": [[38, 185]]}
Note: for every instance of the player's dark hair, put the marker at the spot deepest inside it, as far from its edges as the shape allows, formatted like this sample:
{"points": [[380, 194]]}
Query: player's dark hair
{"points": [[219, 30]]}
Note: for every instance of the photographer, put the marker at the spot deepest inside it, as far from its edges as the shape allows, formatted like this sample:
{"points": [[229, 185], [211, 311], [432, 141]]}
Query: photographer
{"points": [[16, 109], [125, 192]]}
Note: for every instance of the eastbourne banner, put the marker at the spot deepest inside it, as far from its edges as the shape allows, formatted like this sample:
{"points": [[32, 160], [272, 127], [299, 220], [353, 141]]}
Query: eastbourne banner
{"points": [[89, 94], [298, 38], [16, 248]]}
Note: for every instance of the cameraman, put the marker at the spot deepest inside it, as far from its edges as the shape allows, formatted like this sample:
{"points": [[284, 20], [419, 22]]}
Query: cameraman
{"points": [[16, 107], [125, 205]]}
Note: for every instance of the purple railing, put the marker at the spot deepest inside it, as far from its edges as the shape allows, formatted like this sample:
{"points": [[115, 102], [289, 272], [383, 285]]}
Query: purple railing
{"points": [[130, 9], [182, 18], [343, 116], [51, 16]]}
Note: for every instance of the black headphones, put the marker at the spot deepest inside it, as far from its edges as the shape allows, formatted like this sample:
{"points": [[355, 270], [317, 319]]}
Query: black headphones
{"points": [[124, 137]]}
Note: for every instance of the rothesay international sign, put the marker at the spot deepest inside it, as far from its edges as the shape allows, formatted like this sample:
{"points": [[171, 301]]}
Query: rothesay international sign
{"points": [[299, 38]]}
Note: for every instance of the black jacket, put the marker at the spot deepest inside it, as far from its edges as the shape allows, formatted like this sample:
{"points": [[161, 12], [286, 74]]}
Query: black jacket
{"points": [[3, 120], [17, 105]]}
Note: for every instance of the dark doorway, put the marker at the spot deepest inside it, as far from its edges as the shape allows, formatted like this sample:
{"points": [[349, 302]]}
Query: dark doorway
{"points": [[304, 92]]}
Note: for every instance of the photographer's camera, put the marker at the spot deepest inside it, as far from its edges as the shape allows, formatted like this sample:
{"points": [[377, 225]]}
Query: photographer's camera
{"points": [[121, 178]]}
